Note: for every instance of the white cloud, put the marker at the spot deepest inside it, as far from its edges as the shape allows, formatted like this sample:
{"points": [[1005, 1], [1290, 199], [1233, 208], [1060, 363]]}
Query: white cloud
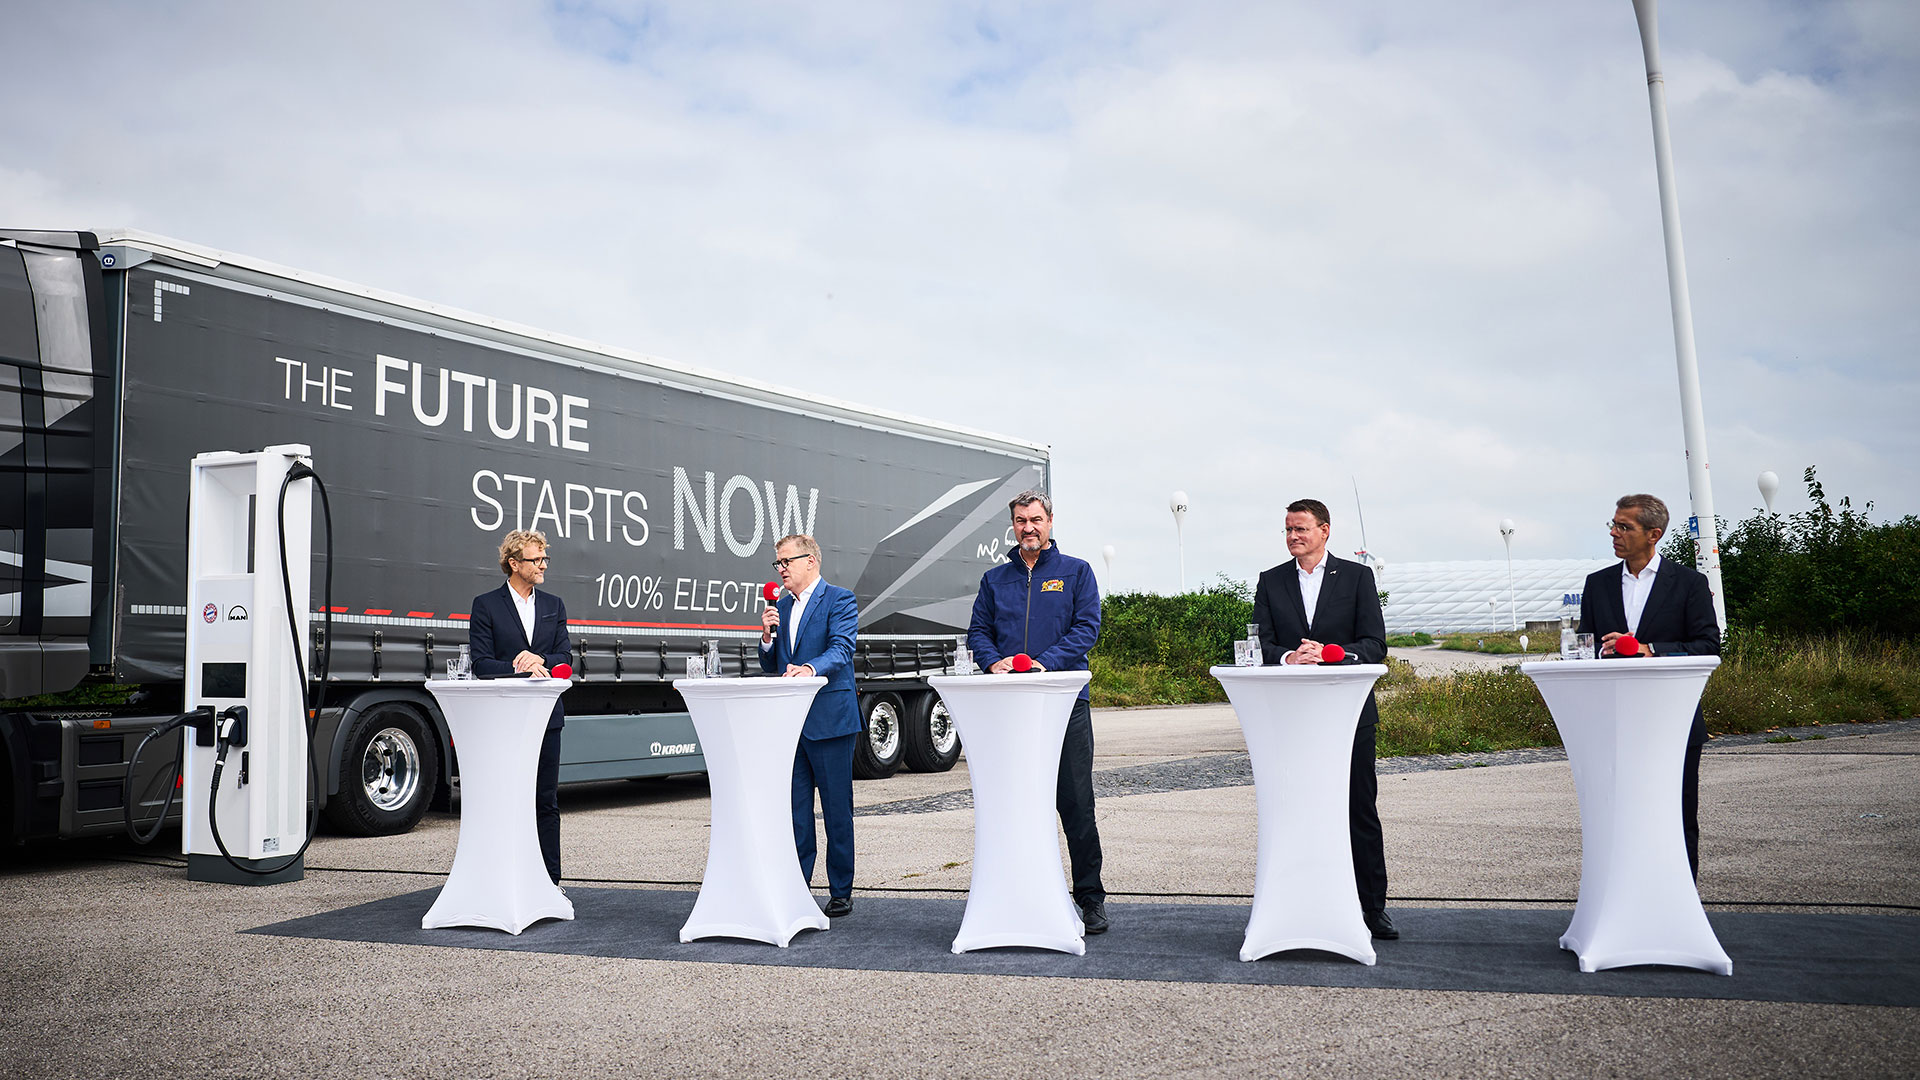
{"points": [[1255, 251]]}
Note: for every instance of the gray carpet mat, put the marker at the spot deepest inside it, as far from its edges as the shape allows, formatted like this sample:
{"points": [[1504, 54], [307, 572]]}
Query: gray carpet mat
{"points": [[1818, 958]]}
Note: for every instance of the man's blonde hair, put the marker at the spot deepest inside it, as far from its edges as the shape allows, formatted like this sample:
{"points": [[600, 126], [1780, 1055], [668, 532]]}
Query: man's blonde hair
{"points": [[807, 544], [517, 539]]}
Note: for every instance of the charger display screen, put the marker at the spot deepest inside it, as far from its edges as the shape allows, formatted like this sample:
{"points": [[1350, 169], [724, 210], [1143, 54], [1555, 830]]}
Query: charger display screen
{"points": [[223, 680]]}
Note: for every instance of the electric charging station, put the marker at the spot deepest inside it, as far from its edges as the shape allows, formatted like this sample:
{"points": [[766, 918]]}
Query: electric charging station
{"points": [[246, 767]]}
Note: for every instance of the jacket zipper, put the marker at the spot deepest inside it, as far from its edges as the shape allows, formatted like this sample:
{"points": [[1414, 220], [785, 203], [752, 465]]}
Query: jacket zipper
{"points": [[1026, 630]]}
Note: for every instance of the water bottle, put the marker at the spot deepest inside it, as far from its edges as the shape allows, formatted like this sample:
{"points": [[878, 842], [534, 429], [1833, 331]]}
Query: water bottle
{"points": [[1566, 638], [713, 658], [466, 662]]}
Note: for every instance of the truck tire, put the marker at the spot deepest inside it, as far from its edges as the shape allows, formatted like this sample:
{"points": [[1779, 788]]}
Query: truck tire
{"points": [[929, 742], [387, 773], [876, 753]]}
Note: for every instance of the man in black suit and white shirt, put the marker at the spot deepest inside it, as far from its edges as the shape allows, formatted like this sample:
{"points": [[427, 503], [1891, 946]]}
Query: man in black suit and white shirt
{"points": [[516, 629], [1667, 608], [1345, 611]]}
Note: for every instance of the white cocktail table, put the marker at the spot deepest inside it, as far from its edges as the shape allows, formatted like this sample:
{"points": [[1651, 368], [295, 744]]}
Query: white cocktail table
{"points": [[1012, 727], [749, 731], [1299, 721], [498, 878], [1625, 724]]}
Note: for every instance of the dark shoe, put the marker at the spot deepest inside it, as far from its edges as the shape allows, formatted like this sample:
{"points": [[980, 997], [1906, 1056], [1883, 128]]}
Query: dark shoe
{"points": [[838, 906], [1093, 915], [1380, 926]]}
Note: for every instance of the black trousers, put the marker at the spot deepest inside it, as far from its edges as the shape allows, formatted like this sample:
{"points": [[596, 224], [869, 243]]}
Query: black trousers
{"points": [[1363, 824], [1073, 797], [546, 802], [1690, 790]]}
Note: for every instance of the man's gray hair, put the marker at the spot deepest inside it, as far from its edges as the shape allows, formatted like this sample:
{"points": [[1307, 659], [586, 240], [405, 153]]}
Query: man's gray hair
{"points": [[807, 544], [1028, 498], [1648, 508]]}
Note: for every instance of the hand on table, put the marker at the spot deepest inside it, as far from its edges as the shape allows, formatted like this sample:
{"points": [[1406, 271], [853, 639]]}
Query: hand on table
{"points": [[798, 671], [531, 662], [1308, 652]]}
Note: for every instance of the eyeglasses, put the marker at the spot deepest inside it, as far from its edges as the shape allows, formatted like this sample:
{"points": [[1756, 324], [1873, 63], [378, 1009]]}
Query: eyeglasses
{"points": [[1621, 527], [541, 562], [1301, 530], [791, 559]]}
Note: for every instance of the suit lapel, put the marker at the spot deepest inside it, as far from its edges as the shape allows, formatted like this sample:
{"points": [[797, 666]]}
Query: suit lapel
{"points": [[1291, 589], [1326, 586], [814, 605], [1659, 592], [513, 618]]}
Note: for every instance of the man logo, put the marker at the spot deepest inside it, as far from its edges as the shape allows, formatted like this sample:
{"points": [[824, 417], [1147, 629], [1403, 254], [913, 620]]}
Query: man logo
{"points": [[238, 614], [1056, 585]]}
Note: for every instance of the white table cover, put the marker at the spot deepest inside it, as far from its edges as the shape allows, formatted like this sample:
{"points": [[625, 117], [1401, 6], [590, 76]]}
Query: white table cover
{"points": [[1625, 723], [1013, 727], [1299, 721], [749, 730], [498, 878]]}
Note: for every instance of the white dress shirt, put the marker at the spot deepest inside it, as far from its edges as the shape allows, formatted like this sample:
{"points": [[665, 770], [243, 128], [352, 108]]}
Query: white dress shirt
{"points": [[525, 607], [1310, 582], [1634, 590]]}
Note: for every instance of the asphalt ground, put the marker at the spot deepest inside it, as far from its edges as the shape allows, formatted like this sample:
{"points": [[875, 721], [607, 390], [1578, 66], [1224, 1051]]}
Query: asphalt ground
{"points": [[119, 966]]}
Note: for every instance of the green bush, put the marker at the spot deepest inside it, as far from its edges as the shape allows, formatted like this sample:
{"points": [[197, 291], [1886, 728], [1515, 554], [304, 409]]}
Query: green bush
{"points": [[1409, 641], [1820, 572], [1468, 711], [1168, 642]]}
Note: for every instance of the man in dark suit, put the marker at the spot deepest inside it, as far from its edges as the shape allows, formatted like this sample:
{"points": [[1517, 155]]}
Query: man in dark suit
{"points": [[1668, 608], [811, 631], [516, 628], [1345, 611]]}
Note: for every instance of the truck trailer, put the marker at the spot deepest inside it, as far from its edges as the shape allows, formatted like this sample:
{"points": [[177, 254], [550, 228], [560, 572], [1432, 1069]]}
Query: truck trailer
{"points": [[661, 487]]}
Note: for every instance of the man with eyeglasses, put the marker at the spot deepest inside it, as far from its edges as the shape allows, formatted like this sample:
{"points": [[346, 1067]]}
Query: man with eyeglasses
{"points": [[516, 629], [1668, 609], [811, 631], [1303, 605]]}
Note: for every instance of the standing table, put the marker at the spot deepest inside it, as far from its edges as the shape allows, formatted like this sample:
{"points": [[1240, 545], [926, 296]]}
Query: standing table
{"points": [[498, 878], [1299, 721], [1012, 727], [749, 730], [1625, 723]]}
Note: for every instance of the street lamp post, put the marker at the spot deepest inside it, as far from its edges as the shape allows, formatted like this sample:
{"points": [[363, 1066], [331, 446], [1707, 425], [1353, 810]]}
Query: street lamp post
{"points": [[1178, 504], [1692, 419], [1506, 535]]}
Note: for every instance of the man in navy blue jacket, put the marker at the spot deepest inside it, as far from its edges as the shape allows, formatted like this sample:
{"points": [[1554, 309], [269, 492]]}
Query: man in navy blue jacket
{"points": [[515, 628], [810, 631], [1047, 605]]}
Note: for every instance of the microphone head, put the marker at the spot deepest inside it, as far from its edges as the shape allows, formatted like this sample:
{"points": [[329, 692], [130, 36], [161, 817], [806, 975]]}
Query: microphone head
{"points": [[1332, 654], [1022, 662], [770, 591], [1626, 645], [562, 671]]}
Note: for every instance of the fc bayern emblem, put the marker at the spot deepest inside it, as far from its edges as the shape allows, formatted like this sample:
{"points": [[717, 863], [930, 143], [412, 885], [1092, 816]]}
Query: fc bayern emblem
{"points": [[211, 612]]}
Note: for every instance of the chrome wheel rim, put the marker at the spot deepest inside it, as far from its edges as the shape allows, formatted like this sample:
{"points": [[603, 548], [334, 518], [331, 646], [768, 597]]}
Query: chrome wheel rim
{"points": [[883, 730], [940, 725], [390, 769]]}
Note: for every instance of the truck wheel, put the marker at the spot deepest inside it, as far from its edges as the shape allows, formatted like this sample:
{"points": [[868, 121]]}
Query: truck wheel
{"points": [[876, 753], [929, 741], [387, 773]]}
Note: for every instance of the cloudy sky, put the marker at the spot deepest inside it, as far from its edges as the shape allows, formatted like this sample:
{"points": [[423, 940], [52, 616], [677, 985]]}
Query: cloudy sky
{"points": [[1257, 251]]}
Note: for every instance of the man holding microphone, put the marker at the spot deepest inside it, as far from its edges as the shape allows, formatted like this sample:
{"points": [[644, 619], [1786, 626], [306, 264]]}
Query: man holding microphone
{"points": [[811, 631]]}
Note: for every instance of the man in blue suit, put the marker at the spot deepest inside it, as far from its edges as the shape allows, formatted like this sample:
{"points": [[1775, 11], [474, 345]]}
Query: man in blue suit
{"points": [[810, 631], [516, 628]]}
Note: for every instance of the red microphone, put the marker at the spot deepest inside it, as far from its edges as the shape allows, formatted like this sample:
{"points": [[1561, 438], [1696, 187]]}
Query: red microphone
{"points": [[1022, 662], [562, 671], [1626, 645], [770, 591], [1332, 654]]}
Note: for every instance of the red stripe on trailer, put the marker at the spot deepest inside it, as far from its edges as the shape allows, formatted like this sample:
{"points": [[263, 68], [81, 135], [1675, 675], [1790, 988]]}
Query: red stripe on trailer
{"points": [[380, 611], [458, 616], [419, 614]]}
